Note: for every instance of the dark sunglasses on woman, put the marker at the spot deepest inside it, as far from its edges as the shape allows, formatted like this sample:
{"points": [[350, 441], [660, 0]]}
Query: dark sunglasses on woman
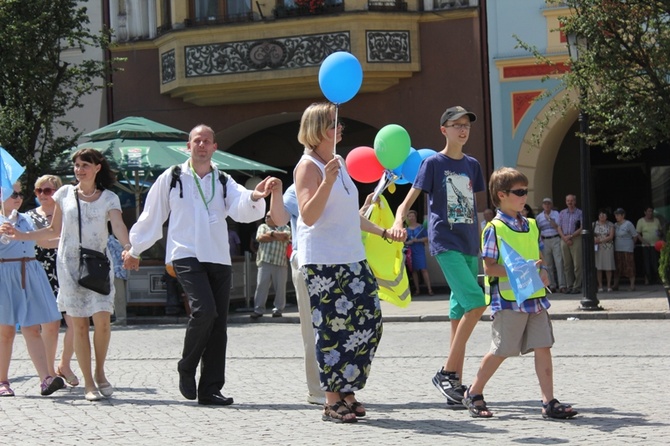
{"points": [[16, 195], [46, 191]]}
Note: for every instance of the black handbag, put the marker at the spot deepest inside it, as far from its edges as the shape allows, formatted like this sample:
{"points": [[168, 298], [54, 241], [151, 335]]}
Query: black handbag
{"points": [[94, 265]]}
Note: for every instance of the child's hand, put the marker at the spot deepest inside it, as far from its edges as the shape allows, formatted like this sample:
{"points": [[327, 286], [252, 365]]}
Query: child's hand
{"points": [[544, 274]]}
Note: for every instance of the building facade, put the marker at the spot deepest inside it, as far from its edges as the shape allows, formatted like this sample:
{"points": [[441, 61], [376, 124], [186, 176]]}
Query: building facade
{"points": [[520, 95]]}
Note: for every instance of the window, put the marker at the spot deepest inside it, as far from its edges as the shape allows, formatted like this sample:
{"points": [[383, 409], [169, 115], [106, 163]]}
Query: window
{"points": [[218, 10], [133, 19]]}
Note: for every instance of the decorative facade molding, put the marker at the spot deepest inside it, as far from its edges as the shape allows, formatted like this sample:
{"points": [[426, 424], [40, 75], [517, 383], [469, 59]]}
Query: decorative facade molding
{"points": [[388, 46], [521, 103], [168, 67], [262, 55]]}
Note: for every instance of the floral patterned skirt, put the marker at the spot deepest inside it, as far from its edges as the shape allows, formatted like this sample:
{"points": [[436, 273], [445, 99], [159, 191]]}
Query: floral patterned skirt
{"points": [[347, 321]]}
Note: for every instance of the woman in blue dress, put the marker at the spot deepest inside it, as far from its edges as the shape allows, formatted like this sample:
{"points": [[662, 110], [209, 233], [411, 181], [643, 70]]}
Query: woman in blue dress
{"points": [[417, 237], [26, 299]]}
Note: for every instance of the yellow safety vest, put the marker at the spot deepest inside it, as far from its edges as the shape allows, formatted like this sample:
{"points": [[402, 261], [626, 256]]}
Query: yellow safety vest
{"points": [[526, 243], [386, 259]]}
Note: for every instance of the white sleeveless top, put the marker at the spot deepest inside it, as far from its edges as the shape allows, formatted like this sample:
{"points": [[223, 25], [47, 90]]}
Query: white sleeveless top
{"points": [[335, 238]]}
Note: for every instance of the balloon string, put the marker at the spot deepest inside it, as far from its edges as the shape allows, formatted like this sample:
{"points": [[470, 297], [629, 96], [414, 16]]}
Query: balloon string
{"points": [[337, 110]]}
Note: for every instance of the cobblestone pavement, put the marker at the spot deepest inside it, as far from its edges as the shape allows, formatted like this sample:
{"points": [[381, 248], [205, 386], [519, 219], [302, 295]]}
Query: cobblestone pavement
{"points": [[614, 372]]}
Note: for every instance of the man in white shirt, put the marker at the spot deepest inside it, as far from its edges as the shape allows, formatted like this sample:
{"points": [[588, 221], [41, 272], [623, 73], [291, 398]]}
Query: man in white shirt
{"points": [[547, 223], [197, 247]]}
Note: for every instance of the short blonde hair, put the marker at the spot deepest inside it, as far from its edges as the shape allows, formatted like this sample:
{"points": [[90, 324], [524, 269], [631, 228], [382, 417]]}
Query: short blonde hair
{"points": [[53, 179], [314, 124]]}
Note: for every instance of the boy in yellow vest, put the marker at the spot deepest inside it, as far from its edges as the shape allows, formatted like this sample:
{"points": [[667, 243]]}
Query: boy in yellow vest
{"points": [[516, 328]]}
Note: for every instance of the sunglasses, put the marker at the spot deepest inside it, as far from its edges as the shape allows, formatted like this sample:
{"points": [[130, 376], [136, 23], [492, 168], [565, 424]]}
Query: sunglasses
{"points": [[16, 195], [46, 191], [518, 192], [336, 124]]}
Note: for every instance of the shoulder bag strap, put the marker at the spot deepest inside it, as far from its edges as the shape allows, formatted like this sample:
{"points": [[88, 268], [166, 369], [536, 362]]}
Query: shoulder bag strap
{"points": [[76, 197]]}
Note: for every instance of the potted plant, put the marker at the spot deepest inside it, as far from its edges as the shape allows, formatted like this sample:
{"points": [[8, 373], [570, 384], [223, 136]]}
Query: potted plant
{"points": [[664, 265]]}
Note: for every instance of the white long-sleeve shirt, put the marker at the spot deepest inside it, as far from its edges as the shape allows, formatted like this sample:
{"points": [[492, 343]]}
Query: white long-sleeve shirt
{"points": [[195, 229]]}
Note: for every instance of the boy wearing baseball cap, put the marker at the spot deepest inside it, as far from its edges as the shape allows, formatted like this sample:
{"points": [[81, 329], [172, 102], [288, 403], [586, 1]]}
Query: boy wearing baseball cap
{"points": [[451, 178]]}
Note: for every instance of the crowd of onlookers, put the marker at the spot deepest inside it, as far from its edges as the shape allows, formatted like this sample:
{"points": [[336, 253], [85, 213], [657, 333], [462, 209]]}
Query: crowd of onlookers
{"points": [[615, 242]]}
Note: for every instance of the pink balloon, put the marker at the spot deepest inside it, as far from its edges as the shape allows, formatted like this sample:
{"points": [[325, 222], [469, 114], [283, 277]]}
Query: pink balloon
{"points": [[363, 165]]}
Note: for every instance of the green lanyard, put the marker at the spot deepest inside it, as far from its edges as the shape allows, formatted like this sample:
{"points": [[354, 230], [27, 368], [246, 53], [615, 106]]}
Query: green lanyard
{"points": [[202, 195]]}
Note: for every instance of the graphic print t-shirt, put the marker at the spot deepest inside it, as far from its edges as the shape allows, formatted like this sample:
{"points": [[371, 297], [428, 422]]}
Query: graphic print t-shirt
{"points": [[451, 186]]}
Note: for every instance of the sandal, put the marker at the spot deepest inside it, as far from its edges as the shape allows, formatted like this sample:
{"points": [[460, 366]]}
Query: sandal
{"points": [[338, 413], [476, 410], [5, 390], [356, 407], [71, 380], [554, 409]]}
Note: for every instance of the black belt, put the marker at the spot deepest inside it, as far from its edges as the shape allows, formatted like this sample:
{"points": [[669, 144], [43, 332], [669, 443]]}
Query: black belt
{"points": [[551, 236]]}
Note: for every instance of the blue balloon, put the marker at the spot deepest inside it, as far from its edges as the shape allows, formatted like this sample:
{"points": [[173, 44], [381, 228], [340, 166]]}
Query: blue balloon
{"points": [[340, 77], [425, 153], [411, 165], [401, 179]]}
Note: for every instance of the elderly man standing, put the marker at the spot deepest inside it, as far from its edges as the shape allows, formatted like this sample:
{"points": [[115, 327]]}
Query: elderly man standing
{"points": [[198, 198], [570, 230], [547, 222], [272, 263]]}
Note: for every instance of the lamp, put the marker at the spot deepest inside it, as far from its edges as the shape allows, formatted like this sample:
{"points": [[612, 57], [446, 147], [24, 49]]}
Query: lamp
{"points": [[589, 302]]}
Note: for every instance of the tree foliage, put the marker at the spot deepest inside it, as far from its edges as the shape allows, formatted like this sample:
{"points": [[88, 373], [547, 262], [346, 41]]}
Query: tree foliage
{"points": [[37, 87], [623, 72]]}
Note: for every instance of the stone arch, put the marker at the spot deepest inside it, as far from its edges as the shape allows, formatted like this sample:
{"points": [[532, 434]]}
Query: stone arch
{"points": [[538, 163]]}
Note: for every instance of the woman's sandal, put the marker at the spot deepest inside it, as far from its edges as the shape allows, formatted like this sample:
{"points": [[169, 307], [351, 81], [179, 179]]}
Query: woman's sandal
{"points": [[338, 413], [5, 390], [476, 410], [71, 380], [554, 409], [356, 407]]}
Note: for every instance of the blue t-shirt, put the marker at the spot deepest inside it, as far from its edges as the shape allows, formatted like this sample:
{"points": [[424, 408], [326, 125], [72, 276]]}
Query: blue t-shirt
{"points": [[451, 185]]}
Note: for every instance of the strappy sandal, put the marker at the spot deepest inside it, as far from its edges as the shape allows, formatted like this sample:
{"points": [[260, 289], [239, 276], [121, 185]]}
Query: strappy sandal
{"points": [[337, 413], [476, 410], [356, 407], [554, 409], [5, 390]]}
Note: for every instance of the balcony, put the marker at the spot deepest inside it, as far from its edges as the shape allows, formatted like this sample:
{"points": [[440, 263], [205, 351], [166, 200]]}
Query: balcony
{"points": [[274, 53]]}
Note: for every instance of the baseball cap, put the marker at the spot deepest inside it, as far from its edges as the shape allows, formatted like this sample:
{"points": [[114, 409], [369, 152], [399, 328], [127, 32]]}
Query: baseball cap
{"points": [[547, 200], [456, 112], [620, 211]]}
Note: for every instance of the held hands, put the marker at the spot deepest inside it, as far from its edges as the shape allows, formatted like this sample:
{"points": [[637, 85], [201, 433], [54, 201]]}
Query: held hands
{"points": [[391, 234], [8, 230], [266, 187], [397, 233], [130, 262]]}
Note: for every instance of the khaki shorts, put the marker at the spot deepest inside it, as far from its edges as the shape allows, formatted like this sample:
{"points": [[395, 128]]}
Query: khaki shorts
{"points": [[514, 333]]}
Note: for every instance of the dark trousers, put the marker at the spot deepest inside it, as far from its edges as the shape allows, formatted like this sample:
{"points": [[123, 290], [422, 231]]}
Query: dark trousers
{"points": [[207, 286]]}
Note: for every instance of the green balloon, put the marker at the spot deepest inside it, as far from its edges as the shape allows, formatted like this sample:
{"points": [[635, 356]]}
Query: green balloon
{"points": [[392, 146]]}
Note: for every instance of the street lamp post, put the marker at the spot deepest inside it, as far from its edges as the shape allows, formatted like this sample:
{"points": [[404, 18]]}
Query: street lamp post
{"points": [[589, 300]]}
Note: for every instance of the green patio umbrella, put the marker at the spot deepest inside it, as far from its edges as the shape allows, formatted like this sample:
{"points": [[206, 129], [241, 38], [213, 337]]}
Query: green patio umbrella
{"points": [[137, 128], [139, 158]]}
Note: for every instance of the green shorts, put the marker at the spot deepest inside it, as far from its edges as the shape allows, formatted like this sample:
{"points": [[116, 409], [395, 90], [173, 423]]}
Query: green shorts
{"points": [[461, 271]]}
